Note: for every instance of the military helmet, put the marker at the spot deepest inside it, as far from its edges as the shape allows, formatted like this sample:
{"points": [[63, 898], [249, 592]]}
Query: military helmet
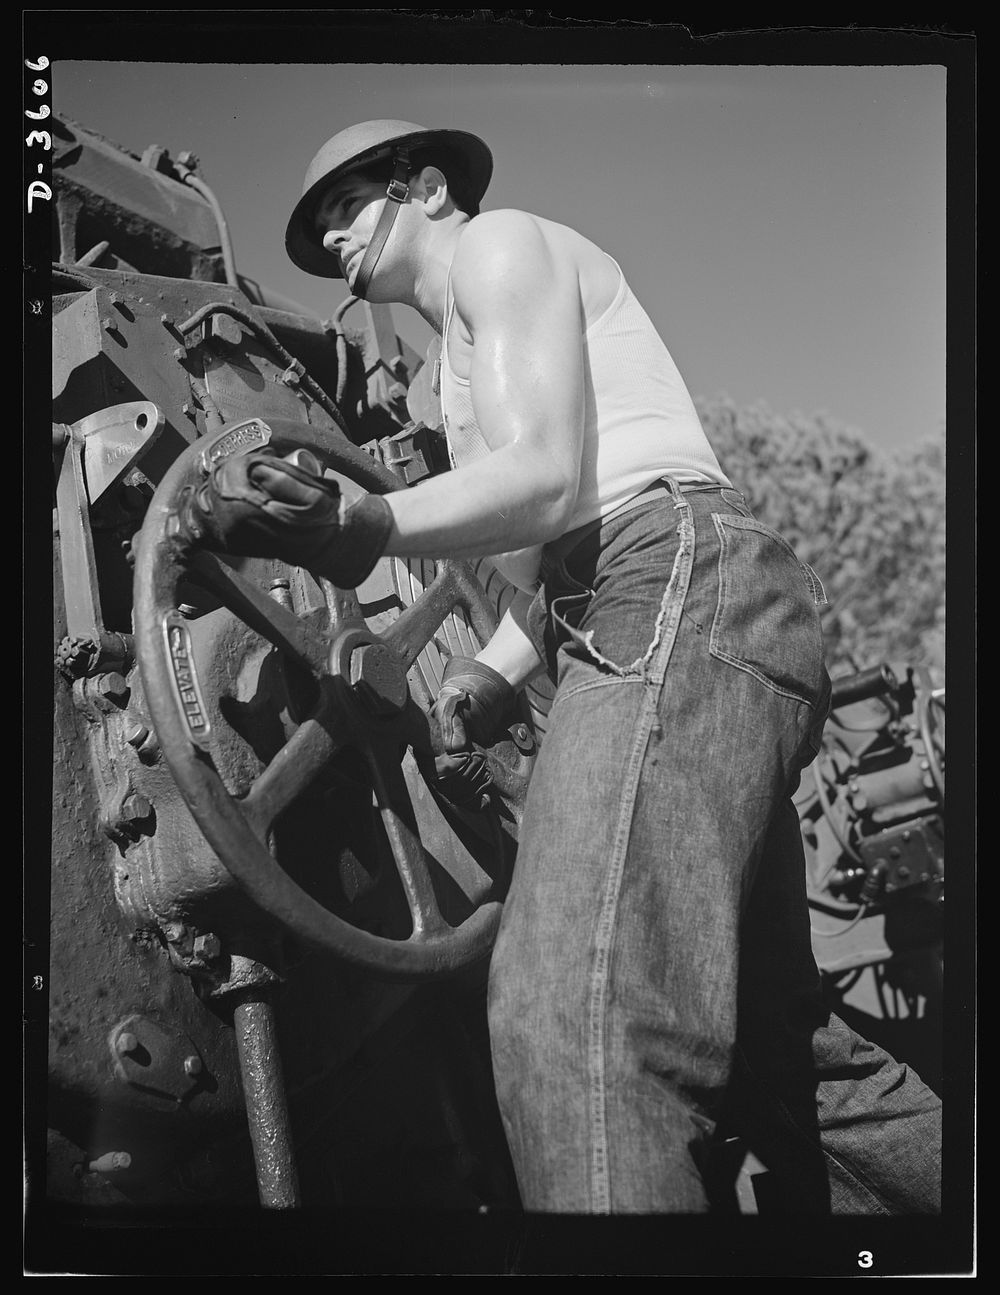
{"points": [[358, 147]]}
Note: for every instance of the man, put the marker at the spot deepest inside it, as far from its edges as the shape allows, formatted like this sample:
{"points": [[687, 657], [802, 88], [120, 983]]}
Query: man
{"points": [[653, 970]]}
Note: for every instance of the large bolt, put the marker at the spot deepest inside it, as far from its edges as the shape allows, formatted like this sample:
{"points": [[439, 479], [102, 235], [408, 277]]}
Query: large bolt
{"points": [[378, 678], [192, 1066], [112, 687], [135, 808], [225, 328], [207, 947]]}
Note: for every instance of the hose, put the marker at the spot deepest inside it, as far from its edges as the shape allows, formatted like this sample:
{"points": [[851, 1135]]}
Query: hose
{"points": [[340, 339]]}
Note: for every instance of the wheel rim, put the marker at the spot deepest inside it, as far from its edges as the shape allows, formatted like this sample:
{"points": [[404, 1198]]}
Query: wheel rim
{"points": [[238, 829]]}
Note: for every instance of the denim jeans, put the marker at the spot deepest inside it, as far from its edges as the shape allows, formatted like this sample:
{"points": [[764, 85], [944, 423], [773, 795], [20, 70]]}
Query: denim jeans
{"points": [[653, 973]]}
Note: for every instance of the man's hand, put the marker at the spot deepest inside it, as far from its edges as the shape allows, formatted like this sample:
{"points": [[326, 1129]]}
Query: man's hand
{"points": [[471, 702], [464, 779], [259, 505]]}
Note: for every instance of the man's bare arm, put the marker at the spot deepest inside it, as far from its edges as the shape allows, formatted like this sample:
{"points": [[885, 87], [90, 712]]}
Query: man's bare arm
{"points": [[521, 305], [510, 651]]}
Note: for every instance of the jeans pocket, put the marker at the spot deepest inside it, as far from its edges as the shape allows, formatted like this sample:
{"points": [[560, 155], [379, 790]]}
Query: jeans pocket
{"points": [[766, 621], [554, 616], [735, 500]]}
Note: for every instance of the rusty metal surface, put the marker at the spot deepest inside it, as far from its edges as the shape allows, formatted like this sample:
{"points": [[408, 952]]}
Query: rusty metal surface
{"points": [[148, 213], [267, 1108]]}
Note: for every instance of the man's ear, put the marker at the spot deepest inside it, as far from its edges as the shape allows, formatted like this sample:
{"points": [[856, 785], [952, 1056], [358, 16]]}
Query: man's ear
{"points": [[431, 188]]}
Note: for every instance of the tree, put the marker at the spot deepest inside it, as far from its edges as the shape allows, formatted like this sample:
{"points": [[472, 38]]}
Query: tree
{"points": [[871, 525]]}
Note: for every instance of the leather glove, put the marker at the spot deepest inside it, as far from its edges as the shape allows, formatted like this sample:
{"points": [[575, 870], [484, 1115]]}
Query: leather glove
{"points": [[464, 779], [470, 704], [259, 505]]}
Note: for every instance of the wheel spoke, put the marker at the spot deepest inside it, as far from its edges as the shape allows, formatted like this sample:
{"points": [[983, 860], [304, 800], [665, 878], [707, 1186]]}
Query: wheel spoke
{"points": [[453, 586], [342, 606], [291, 771], [261, 613], [399, 821]]}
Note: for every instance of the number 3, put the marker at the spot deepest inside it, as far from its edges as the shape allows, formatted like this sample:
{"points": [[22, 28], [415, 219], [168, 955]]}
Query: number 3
{"points": [[864, 1258]]}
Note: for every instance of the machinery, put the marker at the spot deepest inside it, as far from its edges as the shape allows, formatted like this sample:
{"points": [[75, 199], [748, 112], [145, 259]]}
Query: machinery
{"points": [[872, 811], [269, 934]]}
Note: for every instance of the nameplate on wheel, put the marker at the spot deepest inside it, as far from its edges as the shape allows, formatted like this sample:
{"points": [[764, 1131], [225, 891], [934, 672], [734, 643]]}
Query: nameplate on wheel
{"points": [[252, 434], [187, 690]]}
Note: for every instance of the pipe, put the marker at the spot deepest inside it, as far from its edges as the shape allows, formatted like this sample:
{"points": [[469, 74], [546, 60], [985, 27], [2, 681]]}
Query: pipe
{"points": [[225, 241], [264, 1092], [875, 682]]}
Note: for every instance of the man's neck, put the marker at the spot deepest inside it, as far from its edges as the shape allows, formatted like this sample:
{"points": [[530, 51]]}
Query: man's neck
{"points": [[430, 288]]}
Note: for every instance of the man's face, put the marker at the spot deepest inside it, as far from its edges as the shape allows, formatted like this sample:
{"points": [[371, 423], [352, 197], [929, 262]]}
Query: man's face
{"points": [[346, 217]]}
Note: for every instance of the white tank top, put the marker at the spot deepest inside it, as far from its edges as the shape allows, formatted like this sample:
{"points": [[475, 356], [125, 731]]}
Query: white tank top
{"points": [[640, 422]]}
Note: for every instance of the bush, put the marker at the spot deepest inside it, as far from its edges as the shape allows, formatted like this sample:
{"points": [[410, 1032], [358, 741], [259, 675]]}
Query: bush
{"points": [[870, 523]]}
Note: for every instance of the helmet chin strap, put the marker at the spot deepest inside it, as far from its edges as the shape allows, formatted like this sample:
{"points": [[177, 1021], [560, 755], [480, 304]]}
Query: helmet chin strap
{"points": [[396, 194]]}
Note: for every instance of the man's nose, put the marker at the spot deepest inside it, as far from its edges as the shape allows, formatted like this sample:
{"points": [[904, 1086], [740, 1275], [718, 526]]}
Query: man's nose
{"points": [[333, 240]]}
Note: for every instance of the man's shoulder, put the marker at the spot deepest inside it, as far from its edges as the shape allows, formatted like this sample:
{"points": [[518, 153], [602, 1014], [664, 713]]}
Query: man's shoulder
{"points": [[497, 232], [508, 243]]}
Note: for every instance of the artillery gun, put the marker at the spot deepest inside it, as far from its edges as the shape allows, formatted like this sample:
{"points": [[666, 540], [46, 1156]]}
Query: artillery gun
{"points": [[269, 936], [872, 811], [269, 932]]}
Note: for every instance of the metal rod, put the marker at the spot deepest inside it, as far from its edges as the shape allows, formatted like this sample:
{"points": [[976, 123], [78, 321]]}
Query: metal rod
{"points": [[264, 1092]]}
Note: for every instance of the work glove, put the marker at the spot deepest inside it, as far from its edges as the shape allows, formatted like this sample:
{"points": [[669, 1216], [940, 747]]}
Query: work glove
{"points": [[260, 505], [463, 778], [471, 702]]}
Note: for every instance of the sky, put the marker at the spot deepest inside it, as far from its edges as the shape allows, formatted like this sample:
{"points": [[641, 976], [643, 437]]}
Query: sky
{"points": [[784, 226]]}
